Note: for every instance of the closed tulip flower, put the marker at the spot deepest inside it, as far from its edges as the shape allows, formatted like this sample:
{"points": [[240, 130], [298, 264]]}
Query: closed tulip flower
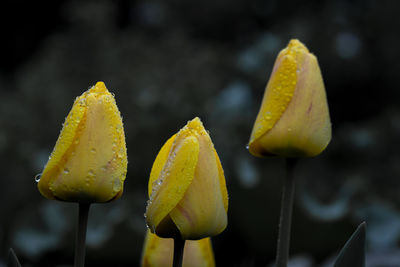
{"points": [[293, 120], [188, 196], [158, 252], [89, 161]]}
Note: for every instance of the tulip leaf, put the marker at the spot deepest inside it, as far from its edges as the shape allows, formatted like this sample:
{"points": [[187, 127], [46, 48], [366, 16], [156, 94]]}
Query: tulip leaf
{"points": [[353, 252], [12, 259]]}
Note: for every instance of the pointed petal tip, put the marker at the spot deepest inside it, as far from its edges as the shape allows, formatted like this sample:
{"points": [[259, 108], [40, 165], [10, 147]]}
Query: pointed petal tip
{"points": [[195, 123], [99, 88], [195, 126], [295, 44]]}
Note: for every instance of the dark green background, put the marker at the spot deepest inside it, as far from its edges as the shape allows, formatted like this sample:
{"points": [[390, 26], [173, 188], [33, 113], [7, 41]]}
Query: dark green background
{"points": [[169, 61]]}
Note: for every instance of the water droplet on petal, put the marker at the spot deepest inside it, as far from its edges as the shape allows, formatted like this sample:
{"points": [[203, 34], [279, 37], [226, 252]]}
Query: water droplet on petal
{"points": [[66, 171], [117, 185], [37, 177], [93, 150]]}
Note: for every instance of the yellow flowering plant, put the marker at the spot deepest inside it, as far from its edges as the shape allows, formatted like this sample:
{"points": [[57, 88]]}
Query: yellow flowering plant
{"points": [[89, 161], [158, 252], [187, 190], [293, 122]]}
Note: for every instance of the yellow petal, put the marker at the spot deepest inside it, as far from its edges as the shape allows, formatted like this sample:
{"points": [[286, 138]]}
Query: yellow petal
{"points": [[174, 179], [64, 146], [158, 252], [89, 161], [188, 195], [222, 183], [294, 118], [159, 162], [201, 212], [198, 253]]}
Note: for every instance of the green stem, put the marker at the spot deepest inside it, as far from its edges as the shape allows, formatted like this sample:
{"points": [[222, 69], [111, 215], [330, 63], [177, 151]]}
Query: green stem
{"points": [[81, 235], [282, 253], [179, 245]]}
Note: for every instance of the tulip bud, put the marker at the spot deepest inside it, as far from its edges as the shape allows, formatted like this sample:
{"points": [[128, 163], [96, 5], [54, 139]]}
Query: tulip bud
{"points": [[188, 196], [158, 252], [293, 120], [89, 161]]}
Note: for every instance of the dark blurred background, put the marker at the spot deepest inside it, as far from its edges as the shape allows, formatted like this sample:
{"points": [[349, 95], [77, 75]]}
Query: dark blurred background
{"points": [[169, 61]]}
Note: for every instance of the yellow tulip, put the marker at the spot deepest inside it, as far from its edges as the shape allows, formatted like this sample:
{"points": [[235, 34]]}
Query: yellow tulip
{"points": [[89, 161], [188, 196], [158, 252], [293, 120]]}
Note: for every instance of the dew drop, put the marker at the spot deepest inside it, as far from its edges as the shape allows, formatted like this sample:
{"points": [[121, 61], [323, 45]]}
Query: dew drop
{"points": [[117, 185], [148, 202], [91, 173], [247, 147], [66, 171], [37, 177], [93, 150]]}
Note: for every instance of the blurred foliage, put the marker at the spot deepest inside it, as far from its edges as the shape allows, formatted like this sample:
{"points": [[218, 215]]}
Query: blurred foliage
{"points": [[169, 61], [353, 252]]}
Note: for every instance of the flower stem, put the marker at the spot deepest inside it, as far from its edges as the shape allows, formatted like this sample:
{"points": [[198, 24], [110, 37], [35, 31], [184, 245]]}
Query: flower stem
{"points": [[81, 235], [285, 221], [179, 245]]}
